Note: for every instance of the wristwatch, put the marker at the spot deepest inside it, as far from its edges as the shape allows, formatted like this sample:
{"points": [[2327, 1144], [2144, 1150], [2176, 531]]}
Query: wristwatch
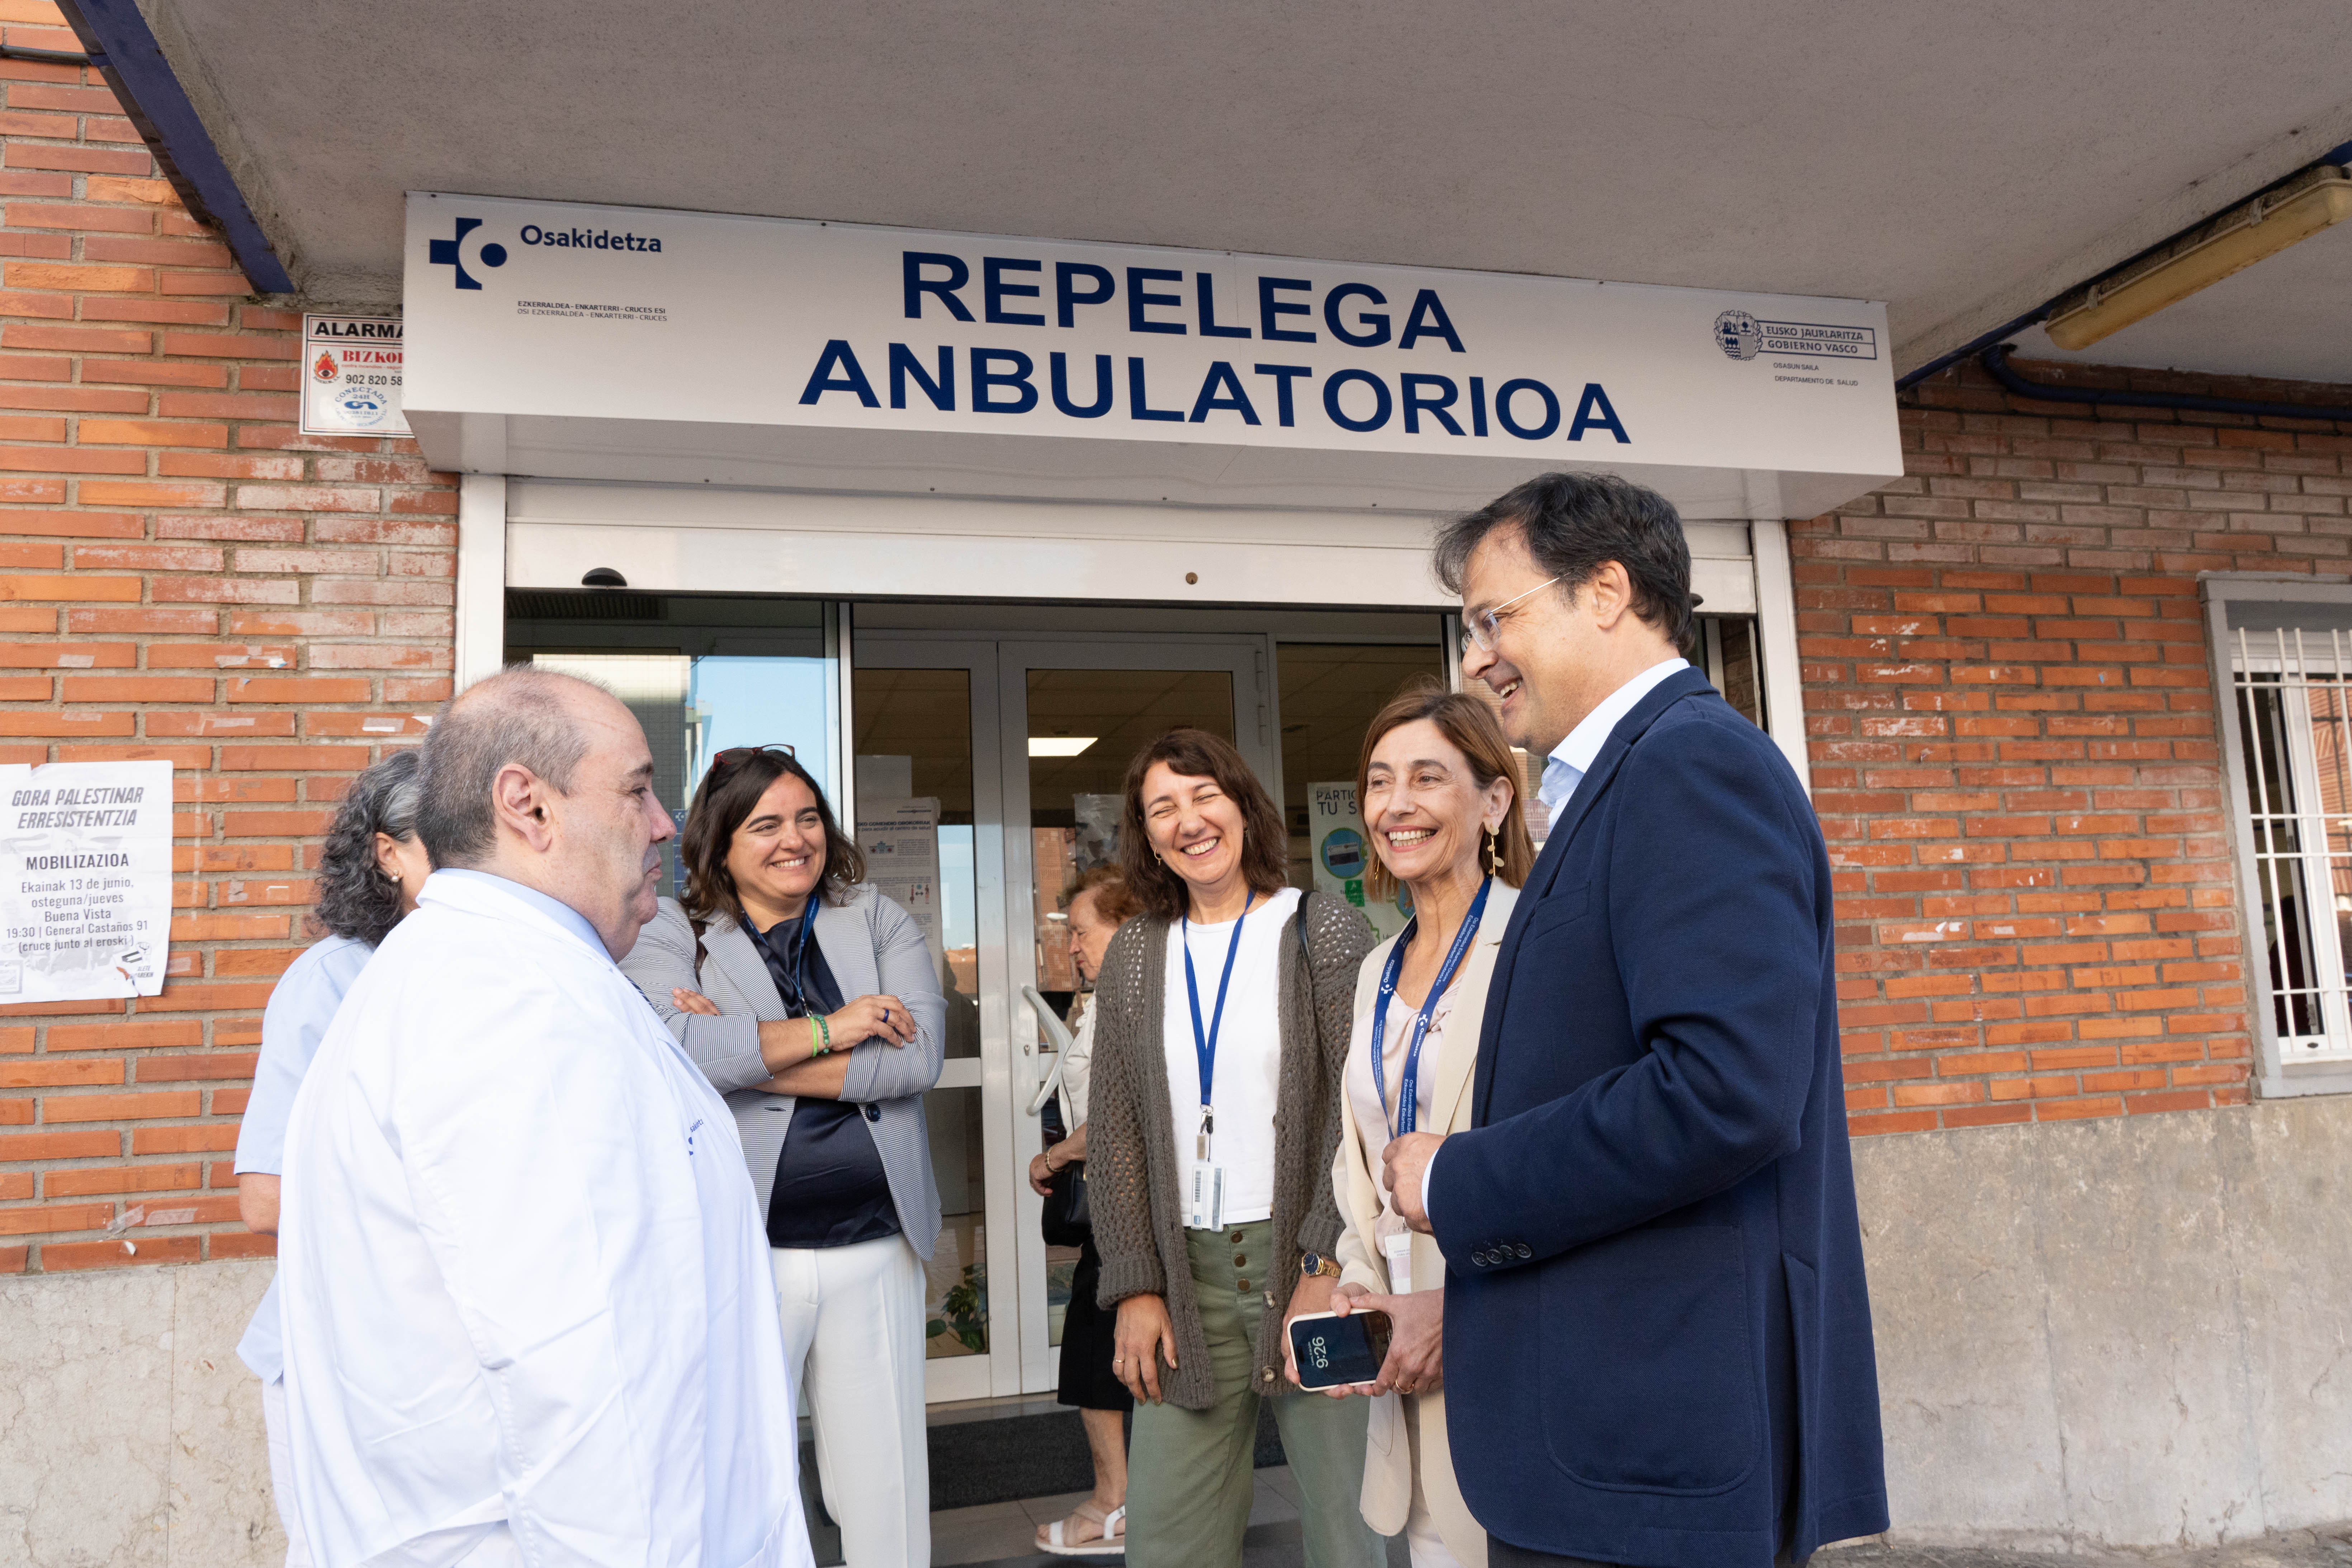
{"points": [[1313, 1264]]}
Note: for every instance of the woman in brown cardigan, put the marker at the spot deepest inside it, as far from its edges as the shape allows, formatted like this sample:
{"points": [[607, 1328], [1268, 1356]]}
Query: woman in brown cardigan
{"points": [[1224, 1018]]}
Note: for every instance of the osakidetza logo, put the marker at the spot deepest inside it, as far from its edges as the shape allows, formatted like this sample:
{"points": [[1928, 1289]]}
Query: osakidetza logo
{"points": [[464, 250]]}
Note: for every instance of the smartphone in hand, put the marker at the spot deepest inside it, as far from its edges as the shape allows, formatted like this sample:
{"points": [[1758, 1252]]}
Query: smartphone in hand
{"points": [[1333, 1352]]}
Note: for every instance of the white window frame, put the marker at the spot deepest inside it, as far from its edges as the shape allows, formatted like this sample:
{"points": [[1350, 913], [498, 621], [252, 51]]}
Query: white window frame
{"points": [[2288, 1065]]}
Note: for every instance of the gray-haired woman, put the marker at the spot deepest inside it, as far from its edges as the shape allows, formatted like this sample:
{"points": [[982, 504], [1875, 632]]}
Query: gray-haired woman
{"points": [[369, 871]]}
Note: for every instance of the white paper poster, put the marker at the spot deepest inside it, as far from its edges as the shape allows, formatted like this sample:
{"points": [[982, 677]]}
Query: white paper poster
{"points": [[1343, 853], [85, 880], [351, 373], [900, 840]]}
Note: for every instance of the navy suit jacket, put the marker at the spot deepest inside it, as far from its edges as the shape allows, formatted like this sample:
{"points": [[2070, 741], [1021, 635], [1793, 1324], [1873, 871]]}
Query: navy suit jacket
{"points": [[1657, 1333]]}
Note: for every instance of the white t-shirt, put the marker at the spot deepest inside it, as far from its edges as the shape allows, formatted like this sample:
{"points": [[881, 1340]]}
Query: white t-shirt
{"points": [[1249, 1051]]}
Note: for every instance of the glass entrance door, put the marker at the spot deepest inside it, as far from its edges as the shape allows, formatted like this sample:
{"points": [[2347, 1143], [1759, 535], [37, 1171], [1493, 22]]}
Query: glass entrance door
{"points": [[1075, 714], [930, 815], [988, 772]]}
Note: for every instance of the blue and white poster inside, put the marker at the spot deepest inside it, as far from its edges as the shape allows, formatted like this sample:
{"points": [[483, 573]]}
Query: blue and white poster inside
{"points": [[85, 880]]}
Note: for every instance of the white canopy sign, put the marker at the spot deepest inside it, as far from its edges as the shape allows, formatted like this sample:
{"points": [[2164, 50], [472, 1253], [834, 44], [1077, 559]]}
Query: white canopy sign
{"points": [[615, 342]]}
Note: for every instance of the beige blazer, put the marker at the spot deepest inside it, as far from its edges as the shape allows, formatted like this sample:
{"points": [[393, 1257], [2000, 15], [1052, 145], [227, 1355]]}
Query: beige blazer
{"points": [[1388, 1456]]}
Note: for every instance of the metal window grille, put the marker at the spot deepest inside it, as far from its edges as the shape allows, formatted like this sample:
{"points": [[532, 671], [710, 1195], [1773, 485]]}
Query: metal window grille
{"points": [[2293, 691]]}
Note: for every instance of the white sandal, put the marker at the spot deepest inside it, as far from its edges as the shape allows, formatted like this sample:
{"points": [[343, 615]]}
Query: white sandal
{"points": [[1112, 1540]]}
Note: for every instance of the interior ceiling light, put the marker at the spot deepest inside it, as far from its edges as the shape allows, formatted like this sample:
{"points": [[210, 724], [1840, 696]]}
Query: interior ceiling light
{"points": [[2315, 199], [1058, 745]]}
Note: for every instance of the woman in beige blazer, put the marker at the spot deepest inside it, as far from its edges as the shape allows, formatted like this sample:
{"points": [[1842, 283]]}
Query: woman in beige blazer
{"points": [[1436, 784]]}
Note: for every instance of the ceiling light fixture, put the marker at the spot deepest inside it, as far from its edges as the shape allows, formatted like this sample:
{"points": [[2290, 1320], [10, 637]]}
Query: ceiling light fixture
{"points": [[1059, 746], [2318, 198]]}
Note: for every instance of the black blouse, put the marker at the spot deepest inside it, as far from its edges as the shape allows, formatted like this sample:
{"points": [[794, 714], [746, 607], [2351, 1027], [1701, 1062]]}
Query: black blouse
{"points": [[831, 1189]]}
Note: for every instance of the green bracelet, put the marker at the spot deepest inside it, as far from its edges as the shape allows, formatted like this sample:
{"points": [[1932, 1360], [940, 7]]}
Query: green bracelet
{"points": [[824, 1036]]}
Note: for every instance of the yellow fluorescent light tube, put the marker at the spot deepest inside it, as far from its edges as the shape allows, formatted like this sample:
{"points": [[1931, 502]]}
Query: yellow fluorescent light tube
{"points": [[2204, 255]]}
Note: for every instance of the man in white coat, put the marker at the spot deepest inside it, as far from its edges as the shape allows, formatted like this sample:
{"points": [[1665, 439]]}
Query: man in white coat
{"points": [[528, 1311]]}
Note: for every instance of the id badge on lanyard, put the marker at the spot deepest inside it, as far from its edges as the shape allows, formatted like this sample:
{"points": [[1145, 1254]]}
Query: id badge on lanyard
{"points": [[1205, 1207], [1206, 1211]]}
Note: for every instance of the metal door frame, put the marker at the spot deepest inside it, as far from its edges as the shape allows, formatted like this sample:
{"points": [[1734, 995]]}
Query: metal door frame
{"points": [[951, 1378]]}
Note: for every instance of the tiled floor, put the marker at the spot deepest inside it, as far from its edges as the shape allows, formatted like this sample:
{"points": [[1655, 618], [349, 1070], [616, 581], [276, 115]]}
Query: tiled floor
{"points": [[1002, 1534], [1273, 1543]]}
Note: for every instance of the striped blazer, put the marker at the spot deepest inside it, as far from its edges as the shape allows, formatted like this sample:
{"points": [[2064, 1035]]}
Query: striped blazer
{"points": [[873, 947]]}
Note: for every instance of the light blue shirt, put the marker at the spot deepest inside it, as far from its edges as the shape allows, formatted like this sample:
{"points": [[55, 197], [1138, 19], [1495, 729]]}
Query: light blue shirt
{"points": [[301, 1005], [1572, 758]]}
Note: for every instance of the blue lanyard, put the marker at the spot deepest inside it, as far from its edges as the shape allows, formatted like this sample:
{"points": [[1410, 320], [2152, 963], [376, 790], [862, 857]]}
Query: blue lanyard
{"points": [[1407, 1094], [1204, 1043]]}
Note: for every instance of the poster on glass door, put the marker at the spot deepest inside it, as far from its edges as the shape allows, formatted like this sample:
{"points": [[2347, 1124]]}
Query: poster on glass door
{"points": [[900, 840], [1343, 852]]}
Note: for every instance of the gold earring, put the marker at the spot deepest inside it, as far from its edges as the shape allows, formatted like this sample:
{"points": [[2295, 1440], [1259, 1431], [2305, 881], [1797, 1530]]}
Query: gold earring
{"points": [[1494, 853]]}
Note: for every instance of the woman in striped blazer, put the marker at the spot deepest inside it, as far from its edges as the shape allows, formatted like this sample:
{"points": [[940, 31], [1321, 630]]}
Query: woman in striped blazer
{"points": [[813, 1004]]}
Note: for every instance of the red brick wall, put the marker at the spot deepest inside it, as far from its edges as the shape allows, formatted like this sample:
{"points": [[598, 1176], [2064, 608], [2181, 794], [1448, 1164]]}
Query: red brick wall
{"points": [[2014, 744], [2006, 682], [182, 575]]}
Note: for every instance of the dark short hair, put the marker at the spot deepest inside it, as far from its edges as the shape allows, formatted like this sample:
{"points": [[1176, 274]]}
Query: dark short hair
{"points": [[1114, 899], [722, 803], [356, 899], [521, 715], [1195, 754], [1470, 725], [1576, 523]]}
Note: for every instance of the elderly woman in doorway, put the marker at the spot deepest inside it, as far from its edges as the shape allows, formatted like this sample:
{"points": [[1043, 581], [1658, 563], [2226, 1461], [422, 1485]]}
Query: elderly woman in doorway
{"points": [[1437, 787], [812, 1003], [1099, 905], [1214, 1122]]}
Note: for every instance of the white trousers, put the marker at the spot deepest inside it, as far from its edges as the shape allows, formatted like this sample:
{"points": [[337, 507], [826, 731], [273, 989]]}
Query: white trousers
{"points": [[281, 1471], [853, 1319], [1426, 1546]]}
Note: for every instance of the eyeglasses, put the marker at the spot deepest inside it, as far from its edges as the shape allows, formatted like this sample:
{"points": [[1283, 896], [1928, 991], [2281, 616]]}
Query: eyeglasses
{"points": [[734, 756], [1482, 627]]}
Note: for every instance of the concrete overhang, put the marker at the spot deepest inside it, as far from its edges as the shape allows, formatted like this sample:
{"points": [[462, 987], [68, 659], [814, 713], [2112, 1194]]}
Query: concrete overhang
{"points": [[1963, 163]]}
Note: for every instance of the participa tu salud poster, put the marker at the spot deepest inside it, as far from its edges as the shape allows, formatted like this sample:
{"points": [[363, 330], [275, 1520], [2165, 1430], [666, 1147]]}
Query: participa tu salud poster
{"points": [[85, 880], [1343, 854]]}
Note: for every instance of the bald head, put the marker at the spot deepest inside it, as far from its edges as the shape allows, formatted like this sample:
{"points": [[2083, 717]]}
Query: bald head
{"points": [[534, 719], [546, 780]]}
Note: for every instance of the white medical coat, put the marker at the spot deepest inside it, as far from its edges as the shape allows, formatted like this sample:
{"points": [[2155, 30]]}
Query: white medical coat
{"points": [[529, 1311]]}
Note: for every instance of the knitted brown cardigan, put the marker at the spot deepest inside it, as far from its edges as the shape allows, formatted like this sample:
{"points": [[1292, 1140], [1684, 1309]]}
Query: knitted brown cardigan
{"points": [[1131, 1174]]}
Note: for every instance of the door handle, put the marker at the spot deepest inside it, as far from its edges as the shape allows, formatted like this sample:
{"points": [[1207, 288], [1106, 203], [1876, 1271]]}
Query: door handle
{"points": [[1060, 1034]]}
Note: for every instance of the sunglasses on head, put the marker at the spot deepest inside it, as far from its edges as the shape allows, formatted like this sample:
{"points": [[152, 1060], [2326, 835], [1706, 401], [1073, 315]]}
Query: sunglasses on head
{"points": [[734, 756]]}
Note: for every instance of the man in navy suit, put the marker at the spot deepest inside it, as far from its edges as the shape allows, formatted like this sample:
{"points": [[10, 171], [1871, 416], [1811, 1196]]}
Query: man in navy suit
{"points": [[1657, 1333]]}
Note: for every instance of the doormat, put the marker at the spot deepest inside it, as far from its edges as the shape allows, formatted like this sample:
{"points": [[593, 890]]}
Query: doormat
{"points": [[977, 1462]]}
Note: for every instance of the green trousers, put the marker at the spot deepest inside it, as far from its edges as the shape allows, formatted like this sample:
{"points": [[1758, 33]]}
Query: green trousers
{"points": [[1188, 1472]]}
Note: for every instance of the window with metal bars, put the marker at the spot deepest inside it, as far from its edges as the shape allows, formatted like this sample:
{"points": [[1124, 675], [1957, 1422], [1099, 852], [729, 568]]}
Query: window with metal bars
{"points": [[2293, 698]]}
